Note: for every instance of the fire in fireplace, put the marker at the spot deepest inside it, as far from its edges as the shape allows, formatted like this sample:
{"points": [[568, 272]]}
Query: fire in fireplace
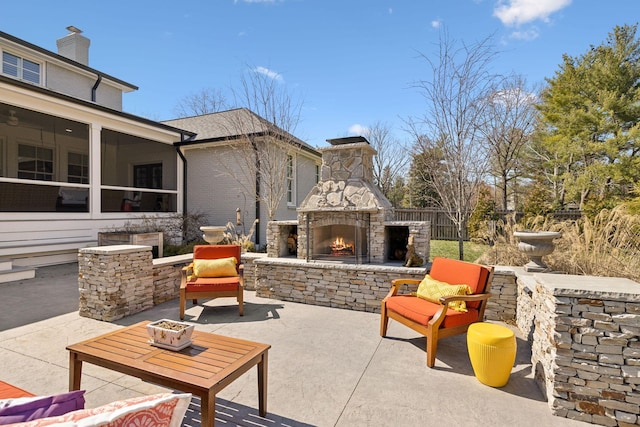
{"points": [[345, 241], [339, 247]]}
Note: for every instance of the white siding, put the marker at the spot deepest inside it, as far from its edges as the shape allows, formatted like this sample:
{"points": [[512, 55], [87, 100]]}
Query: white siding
{"points": [[214, 190]]}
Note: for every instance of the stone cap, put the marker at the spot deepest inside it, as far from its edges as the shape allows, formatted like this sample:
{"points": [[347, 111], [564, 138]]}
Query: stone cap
{"points": [[115, 249], [569, 285]]}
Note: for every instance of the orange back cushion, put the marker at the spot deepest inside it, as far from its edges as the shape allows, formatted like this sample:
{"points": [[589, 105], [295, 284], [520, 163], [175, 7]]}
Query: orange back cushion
{"points": [[458, 272], [218, 251]]}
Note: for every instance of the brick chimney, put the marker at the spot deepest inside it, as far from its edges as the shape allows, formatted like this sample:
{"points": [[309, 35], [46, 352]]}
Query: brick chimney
{"points": [[74, 46]]}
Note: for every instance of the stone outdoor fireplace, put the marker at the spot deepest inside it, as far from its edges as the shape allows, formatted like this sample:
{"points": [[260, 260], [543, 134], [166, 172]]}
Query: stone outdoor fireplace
{"points": [[345, 217]]}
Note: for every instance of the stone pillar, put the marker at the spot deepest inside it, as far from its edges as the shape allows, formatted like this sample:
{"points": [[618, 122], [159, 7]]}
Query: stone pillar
{"points": [[115, 281]]}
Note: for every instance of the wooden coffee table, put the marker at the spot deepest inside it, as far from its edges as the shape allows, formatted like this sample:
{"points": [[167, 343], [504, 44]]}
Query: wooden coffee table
{"points": [[210, 364]]}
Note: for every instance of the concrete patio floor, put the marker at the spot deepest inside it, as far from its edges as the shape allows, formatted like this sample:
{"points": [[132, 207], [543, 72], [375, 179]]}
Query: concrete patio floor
{"points": [[327, 367]]}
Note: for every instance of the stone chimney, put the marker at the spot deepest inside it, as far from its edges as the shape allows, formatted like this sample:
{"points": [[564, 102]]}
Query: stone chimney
{"points": [[74, 46]]}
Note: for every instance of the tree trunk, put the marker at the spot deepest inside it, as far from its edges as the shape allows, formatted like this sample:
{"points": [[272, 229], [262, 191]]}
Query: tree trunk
{"points": [[460, 241], [504, 192]]}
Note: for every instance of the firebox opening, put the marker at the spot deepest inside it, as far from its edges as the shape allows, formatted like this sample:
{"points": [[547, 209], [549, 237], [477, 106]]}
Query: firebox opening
{"points": [[338, 242], [288, 245], [396, 238]]}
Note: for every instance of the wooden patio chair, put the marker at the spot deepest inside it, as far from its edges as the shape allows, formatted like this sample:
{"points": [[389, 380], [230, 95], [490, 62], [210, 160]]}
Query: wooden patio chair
{"points": [[435, 318], [216, 272]]}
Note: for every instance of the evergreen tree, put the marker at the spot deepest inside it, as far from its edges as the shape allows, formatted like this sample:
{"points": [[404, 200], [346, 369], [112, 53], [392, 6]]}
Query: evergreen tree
{"points": [[589, 138]]}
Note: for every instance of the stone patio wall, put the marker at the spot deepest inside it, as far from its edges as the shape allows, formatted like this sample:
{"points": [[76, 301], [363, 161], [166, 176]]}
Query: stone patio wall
{"points": [[115, 281], [167, 273], [584, 331], [585, 346], [348, 286]]}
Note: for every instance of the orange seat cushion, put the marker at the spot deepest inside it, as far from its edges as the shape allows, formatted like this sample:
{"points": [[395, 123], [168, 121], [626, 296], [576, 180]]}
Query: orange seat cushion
{"points": [[8, 391], [212, 284], [422, 311]]}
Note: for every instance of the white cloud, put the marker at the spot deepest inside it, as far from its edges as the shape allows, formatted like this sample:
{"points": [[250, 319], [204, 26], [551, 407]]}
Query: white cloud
{"points": [[530, 34], [436, 23], [269, 73], [516, 12], [390, 11], [358, 129]]}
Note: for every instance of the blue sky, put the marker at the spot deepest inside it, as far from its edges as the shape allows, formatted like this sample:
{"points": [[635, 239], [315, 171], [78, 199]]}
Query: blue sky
{"points": [[351, 62]]}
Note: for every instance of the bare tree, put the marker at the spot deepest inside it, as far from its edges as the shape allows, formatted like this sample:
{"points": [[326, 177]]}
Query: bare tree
{"points": [[456, 100], [204, 102], [265, 147], [510, 122], [392, 157]]}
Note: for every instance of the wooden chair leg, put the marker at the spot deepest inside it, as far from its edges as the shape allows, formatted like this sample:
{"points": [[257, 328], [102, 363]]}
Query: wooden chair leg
{"points": [[241, 302], [384, 320], [194, 301], [432, 347], [183, 303]]}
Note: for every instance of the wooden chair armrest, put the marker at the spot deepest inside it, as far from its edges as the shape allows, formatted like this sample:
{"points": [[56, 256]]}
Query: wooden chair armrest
{"points": [[184, 272], [466, 298], [396, 283], [438, 318]]}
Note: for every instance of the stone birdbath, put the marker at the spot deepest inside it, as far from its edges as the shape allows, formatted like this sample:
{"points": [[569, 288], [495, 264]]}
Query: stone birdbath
{"points": [[213, 233], [536, 244]]}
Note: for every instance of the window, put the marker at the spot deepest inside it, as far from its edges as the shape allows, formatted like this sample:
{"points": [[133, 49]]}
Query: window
{"points": [[148, 176], [290, 181], [20, 68], [78, 168], [35, 162], [317, 173], [137, 174]]}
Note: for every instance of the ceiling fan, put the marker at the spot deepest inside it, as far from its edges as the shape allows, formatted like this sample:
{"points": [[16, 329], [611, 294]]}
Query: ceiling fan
{"points": [[13, 120]]}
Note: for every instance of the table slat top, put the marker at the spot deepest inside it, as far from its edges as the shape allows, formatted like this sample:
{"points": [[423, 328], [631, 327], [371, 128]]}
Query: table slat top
{"points": [[207, 362]]}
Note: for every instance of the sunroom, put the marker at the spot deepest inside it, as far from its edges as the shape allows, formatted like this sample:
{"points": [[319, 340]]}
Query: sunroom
{"points": [[70, 168]]}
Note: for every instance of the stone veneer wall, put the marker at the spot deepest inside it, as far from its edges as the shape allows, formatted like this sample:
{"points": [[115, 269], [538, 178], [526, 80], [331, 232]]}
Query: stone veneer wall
{"points": [[167, 274], [586, 348], [249, 274], [358, 287], [115, 281], [502, 304], [120, 280]]}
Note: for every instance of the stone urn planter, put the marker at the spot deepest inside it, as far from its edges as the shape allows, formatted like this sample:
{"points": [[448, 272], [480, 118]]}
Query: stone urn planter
{"points": [[536, 244], [213, 234]]}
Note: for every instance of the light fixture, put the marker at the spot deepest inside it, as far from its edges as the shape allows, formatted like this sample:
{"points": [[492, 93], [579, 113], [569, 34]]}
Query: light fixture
{"points": [[12, 120]]}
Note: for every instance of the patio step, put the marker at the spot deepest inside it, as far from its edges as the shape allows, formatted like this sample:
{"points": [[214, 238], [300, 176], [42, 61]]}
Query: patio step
{"points": [[10, 273]]}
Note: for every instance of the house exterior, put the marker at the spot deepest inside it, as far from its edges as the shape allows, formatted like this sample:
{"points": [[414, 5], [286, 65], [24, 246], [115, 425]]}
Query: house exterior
{"points": [[72, 163], [241, 168]]}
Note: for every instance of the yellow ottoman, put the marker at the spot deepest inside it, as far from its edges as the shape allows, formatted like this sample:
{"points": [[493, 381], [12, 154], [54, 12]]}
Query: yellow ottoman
{"points": [[492, 350]]}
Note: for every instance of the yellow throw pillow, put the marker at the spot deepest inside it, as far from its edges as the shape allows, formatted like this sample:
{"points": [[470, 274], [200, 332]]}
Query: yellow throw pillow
{"points": [[432, 290], [222, 267]]}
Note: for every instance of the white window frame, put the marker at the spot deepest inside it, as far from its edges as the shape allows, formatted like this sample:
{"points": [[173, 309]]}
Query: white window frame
{"points": [[84, 163], [37, 160], [291, 180], [20, 68]]}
